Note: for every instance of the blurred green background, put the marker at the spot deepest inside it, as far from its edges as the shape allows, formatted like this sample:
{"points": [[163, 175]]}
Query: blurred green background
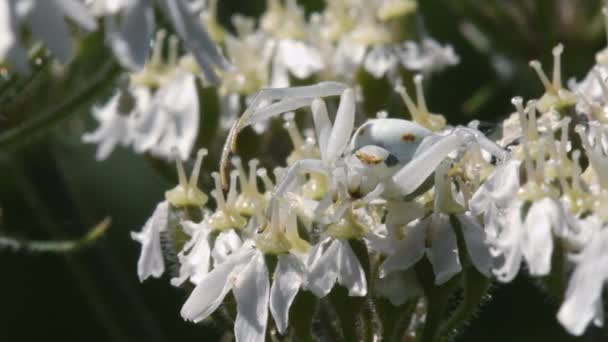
{"points": [[52, 188]]}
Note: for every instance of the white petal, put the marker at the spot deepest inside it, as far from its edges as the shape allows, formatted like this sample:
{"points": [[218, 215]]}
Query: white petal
{"points": [[7, 28], [178, 101], [150, 261], [301, 60], [323, 267], [78, 12], [130, 39], [251, 292], [195, 256], [398, 287], [508, 244], [499, 189], [226, 244], [189, 27], [48, 25], [342, 128], [408, 250], [288, 276], [322, 125], [210, 292], [537, 242], [350, 271], [475, 237], [583, 302], [379, 61], [443, 253]]}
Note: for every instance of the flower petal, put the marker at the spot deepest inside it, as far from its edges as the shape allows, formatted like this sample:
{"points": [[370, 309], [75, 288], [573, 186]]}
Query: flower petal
{"points": [[443, 253], [287, 279], [151, 261], [583, 302], [407, 251], [322, 267], [350, 272], [130, 39], [537, 241], [475, 239], [398, 287], [251, 292]]}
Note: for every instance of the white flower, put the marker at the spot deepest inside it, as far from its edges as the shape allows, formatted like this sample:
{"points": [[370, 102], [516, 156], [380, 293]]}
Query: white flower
{"points": [[172, 120], [300, 59], [151, 258], [129, 31], [583, 300], [434, 236], [428, 57], [333, 260], [116, 119], [496, 194], [195, 256], [46, 22], [245, 274]]}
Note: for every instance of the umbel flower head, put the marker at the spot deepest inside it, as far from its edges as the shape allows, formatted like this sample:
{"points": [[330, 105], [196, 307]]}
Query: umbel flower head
{"points": [[389, 210]]}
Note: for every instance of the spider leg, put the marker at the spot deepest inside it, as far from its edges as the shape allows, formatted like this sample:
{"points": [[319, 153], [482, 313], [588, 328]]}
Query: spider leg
{"points": [[287, 99], [295, 169], [414, 173], [486, 143]]}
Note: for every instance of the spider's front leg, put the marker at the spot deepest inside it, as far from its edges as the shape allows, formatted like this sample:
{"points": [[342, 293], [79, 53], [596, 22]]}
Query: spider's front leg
{"points": [[426, 160], [281, 100]]}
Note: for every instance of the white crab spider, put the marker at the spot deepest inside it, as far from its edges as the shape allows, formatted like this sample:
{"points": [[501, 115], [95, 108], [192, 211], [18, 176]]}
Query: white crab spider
{"points": [[393, 158]]}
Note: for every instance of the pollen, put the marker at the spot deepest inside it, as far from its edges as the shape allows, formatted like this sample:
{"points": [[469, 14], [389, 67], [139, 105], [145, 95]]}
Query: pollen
{"points": [[368, 158], [409, 137]]}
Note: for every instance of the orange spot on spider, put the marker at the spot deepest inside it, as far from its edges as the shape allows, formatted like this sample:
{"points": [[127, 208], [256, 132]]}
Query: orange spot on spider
{"points": [[409, 137], [368, 158]]}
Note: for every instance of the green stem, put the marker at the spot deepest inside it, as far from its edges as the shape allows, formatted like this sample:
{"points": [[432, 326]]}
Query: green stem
{"points": [[7, 242]]}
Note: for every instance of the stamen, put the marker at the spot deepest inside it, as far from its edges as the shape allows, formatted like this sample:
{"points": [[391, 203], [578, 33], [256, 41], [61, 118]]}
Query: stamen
{"points": [[292, 129], [409, 103], [263, 174], [576, 171], [563, 146], [557, 65], [537, 66], [595, 153], [173, 51], [236, 162], [419, 111], [518, 103], [218, 194], [232, 192], [253, 184], [532, 128], [540, 162], [197, 166], [420, 94], [598, 76], [157, 51], [181, 174]]}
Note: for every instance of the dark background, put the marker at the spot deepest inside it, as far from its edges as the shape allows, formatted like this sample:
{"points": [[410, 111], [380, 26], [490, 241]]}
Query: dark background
{"points": [[52, 188]]}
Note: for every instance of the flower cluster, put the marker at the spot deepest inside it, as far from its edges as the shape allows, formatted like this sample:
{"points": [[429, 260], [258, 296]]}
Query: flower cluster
{"points": [[396, 210], [339, 212], [286, 45]]}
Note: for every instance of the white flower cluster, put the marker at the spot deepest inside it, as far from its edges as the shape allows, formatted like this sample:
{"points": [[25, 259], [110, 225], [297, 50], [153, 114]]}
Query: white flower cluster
{"points": [[330, 45], [407, 191], [336, 192]]}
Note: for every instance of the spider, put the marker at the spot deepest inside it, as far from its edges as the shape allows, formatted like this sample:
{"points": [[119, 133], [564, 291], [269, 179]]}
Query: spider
{"points": [[385, 157]]}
